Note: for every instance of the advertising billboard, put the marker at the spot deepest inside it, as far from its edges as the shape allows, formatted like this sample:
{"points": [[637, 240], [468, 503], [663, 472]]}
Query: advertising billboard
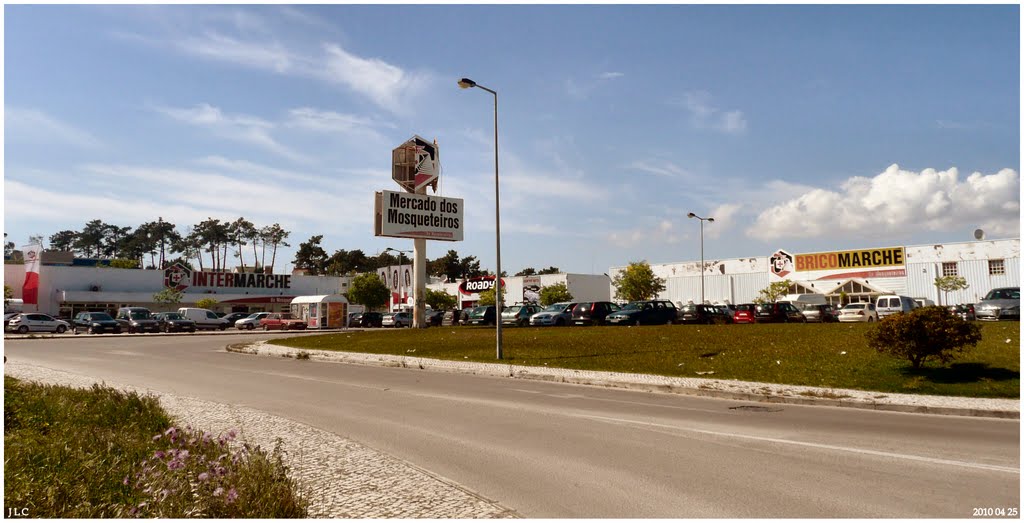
{"points": [[407, 215], [883, 262]]}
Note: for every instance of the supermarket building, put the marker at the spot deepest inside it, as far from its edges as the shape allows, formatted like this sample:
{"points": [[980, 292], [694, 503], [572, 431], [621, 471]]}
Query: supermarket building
{"points": [[849, 275]]}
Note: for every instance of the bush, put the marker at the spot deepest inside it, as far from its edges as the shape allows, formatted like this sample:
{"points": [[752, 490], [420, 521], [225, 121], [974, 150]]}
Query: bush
{"points": [[923, 334]]}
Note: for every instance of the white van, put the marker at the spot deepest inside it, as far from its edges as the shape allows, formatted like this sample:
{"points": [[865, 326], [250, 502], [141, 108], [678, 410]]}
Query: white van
{"points": [[891, 304], [205, 319], [924, 302]]}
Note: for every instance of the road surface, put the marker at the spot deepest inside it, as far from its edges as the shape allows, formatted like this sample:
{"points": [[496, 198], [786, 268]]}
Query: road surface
{"points": [[549, 450]]}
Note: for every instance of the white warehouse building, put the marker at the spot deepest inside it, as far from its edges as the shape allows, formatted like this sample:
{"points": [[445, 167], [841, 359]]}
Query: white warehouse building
{"points": [[849, 275]]}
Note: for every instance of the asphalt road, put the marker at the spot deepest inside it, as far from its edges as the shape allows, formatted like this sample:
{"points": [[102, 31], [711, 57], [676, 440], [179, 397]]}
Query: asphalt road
{"points": [[551, 450]]}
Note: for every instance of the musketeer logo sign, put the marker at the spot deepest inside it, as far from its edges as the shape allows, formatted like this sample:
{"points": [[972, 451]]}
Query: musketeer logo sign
{"points": [[177, 277], [781, 263], [406, 215]]}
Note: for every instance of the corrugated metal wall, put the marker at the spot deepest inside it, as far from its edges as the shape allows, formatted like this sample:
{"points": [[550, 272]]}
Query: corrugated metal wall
{"points": [[921, 280], [734, 288]]}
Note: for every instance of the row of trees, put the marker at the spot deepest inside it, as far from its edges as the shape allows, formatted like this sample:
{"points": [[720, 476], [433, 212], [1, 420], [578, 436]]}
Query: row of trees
{"points": [[312, 258], [218, 241]]}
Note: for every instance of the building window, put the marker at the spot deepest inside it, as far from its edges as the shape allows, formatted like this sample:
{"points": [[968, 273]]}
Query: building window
{"points": [[949, 269], [996, 267]]}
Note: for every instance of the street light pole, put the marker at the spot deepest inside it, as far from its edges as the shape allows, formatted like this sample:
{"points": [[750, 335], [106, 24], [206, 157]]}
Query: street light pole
{"points": [[499, 295], [702, 220]]}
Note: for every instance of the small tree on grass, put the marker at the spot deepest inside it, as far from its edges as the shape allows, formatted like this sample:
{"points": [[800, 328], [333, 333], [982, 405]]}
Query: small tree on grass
{"points": [[487, 297], [440, 300], [948, 284], [637, 282], [555, 294], [206, 303], [368, 290], [924, 334], [773, 292], [168, 298]]}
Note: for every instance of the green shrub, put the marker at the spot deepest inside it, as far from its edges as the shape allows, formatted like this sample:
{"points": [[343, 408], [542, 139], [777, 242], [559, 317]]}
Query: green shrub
{"points": [[924, 334]]}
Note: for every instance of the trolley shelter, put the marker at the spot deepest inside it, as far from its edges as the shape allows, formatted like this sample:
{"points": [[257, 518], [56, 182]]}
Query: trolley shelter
{"points": [[321, 312]]}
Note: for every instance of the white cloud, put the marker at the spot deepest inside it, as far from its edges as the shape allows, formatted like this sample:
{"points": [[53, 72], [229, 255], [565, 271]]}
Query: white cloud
{"points": [[386, 85], [268, 56], [610, 75], [35, 126], [897, 202], [241, 128], [704, 115], [330, 122], [725, 216], [666, 231]]}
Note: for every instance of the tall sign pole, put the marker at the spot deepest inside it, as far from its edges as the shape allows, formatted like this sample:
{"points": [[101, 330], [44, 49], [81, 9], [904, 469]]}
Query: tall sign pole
{"points": [[415, 165]]}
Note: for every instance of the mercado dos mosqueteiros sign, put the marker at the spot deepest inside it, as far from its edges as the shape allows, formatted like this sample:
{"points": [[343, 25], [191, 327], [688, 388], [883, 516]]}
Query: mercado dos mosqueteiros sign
{"points": [[407, 215]]}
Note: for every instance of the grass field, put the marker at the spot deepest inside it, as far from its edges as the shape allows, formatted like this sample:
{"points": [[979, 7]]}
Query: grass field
{"points": [[820, 355], [103, 453]]}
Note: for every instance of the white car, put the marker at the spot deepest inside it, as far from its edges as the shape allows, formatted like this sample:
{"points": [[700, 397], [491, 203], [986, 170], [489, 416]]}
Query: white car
{"points": [[251, 321], [36, 322], [858, 312], [397, 319]]}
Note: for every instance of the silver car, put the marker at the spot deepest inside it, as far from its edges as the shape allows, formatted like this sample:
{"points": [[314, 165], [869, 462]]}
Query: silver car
{"points": [[556, 314], [36, 322], [251, 321], [999, 304]]}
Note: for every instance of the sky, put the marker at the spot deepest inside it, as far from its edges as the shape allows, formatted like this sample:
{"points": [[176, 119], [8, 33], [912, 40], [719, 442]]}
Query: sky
{"points": [[805, 128]]}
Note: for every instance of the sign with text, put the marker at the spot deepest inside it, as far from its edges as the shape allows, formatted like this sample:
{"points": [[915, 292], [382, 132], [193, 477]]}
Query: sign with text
{"points": [[406, 215]]}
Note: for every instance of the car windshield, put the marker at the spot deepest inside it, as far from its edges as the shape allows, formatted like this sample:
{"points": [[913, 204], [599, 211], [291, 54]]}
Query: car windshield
{"points": [[100, 316], [511, 310], [745, 307], [139, 315], [854, 306], [764, 307], [557, 307], [689, 307], [633, 306], [173, 316], [1003, 294]]}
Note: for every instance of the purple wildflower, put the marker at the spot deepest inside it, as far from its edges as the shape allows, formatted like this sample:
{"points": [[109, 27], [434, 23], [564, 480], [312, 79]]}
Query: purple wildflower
{"points": [[183, 454], [232, 434], [171, 431], [125, 482], [156, 437], [232, 495], [159, 454], [175, 464], [163, 494], [218, 491], [222, 456], [203, 476]]}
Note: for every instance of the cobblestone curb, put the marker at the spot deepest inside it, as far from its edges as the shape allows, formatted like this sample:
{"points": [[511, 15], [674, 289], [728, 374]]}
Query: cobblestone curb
{"points": [[341, 478], [727, 389]]}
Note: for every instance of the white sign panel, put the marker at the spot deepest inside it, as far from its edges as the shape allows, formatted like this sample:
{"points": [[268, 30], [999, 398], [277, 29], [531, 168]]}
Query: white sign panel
{"points": [[407, 215]]}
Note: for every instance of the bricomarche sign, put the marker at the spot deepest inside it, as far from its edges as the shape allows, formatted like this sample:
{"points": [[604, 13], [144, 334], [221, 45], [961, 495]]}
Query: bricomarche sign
{"points": [[407, 215]]}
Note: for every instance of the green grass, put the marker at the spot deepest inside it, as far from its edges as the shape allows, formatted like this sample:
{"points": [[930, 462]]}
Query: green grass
{"points": [[103, 453], [810, 354]]}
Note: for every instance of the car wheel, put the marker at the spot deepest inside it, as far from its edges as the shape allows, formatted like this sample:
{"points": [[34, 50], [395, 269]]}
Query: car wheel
{"points": [[222, 327], [870, 319], [92, 330], [636, 323], [266, 327], [61, 329], [250, 326], [23, 329]]}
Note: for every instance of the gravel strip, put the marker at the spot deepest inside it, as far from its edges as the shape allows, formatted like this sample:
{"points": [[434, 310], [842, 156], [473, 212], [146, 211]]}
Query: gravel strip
{"points": [[342, 478], [729, 389]]}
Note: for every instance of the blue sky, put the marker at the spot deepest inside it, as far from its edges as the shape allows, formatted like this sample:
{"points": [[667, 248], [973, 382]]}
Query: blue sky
{"points": [[807, 128]]}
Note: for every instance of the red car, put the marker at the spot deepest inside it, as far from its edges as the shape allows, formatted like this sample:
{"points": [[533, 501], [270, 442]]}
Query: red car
{"points": [[744, 313], [281, 321]]}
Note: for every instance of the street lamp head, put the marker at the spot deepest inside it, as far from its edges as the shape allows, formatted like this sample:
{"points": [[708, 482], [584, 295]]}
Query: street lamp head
{"points": [[691, 215], [466, 83], [711, 219]]}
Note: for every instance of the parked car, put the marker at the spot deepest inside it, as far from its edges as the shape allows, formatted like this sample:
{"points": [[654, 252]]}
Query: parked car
{"points": [[205, 319], [367, 319], [893, 304], [646, 312], [706, 314], [923, 302], [235, 316], [26, 322], [744, 313], [451, 317], [434, 318], [554, 315], [518, 315], [999, 304], [251, 321], [464, 315], [592, 312], [396, 319], [136, 319], [778, 312], [281, 321], [965, 312], [174, 322], [483, 315], [727, 309], [858, 312], [820, 314], [95, 323]]}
